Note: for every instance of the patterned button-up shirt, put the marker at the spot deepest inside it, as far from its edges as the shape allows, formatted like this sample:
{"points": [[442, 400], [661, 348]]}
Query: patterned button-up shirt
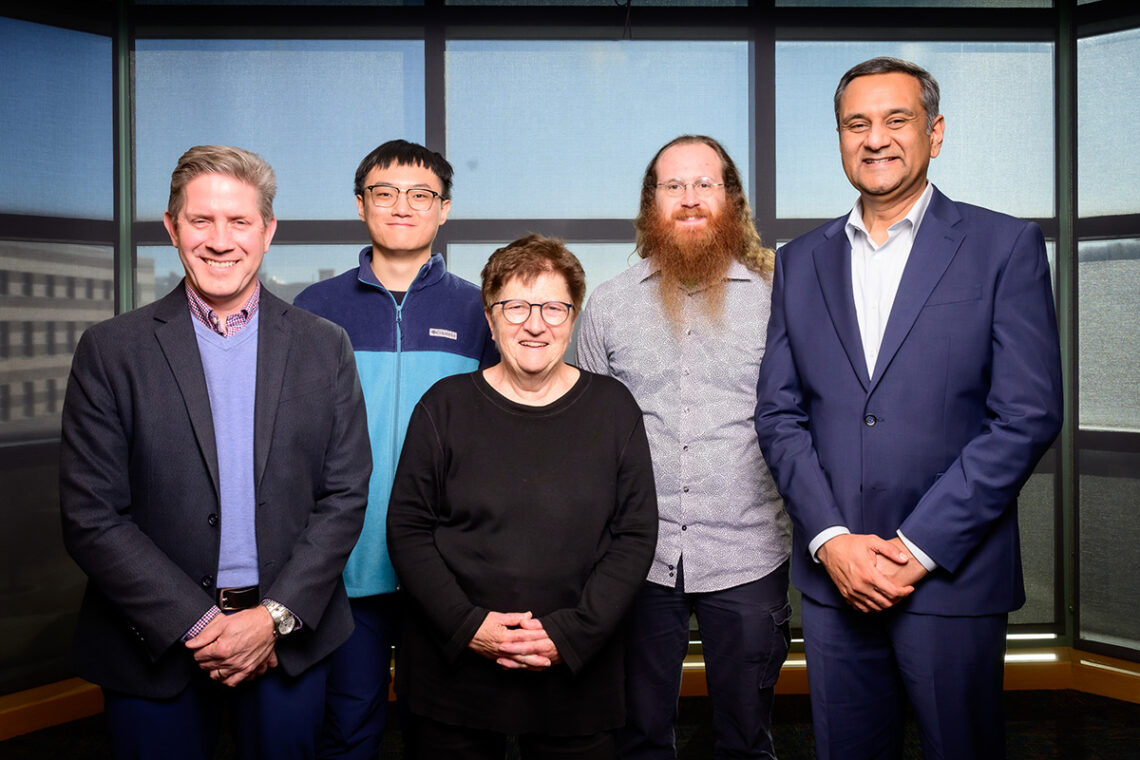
{"points": [[696, 384], [202, 312]]}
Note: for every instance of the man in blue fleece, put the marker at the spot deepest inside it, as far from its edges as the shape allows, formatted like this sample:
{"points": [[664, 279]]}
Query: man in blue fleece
{"points": [[411, 323]]}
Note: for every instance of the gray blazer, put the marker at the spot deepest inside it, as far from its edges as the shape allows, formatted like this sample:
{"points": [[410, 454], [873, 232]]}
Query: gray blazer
{"points": [[139, 487]]}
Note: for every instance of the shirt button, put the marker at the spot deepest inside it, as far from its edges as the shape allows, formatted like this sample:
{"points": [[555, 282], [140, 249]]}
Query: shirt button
{"points": [[685, 489], [685, 447], [212, 520], [684, 527], [870, 420]]}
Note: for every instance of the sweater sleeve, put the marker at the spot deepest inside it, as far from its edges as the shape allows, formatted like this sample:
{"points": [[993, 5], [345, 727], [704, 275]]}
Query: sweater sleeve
{"points": [[413, 513], [580, 632]]}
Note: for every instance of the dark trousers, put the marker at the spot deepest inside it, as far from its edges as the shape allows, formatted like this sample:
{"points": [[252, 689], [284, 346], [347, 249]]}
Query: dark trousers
{"points": [[744, 635], [356, 699], [862, 667], [271, 717], [442, 741]]}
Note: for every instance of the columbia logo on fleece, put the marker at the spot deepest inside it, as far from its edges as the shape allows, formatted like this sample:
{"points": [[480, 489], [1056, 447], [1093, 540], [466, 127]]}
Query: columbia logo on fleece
{"points": [[439, 332]]}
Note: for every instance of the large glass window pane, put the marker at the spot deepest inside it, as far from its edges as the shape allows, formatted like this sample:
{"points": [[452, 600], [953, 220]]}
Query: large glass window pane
{"points": [[51, 293], [55, 122], [1109, 534], [311, 108], [997, 98], [285, 271], [1108, 165], [564, 129], [1109, 286]]}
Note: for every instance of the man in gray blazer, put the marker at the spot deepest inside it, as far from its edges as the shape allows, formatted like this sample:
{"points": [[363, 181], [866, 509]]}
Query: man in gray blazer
{"points": [[213, 478]]}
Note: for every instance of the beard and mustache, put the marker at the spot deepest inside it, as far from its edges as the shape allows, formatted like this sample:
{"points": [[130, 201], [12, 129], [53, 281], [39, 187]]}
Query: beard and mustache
{"points": [[693, 260]]}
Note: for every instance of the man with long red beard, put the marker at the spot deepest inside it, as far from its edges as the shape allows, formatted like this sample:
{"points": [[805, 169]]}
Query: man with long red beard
{"points": [[684, 329]]}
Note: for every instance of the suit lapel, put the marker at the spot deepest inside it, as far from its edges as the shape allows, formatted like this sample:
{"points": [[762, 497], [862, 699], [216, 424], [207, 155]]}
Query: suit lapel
{"points": [[933, 249], [833, 270], [273, 341], [174, 329]]}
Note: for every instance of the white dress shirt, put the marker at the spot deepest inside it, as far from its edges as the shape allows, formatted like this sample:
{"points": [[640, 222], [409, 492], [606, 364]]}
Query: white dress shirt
{"points": [[876, 271]]}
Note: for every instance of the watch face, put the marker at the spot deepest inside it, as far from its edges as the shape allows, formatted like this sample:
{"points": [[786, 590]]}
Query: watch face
{"points": [[286, 623]]}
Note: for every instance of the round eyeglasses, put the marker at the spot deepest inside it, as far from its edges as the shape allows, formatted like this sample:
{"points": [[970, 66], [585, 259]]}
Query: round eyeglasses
{"points": [[516, 311], [702, 186], [386, 196]]}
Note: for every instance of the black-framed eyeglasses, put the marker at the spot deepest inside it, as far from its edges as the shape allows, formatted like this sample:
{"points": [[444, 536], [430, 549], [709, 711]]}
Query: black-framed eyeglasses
{"points": [[702, 186], [516, 311], [387, 196]]}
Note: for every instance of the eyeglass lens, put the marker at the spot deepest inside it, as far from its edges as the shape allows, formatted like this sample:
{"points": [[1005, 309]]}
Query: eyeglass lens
{"points": [[553, 313]]}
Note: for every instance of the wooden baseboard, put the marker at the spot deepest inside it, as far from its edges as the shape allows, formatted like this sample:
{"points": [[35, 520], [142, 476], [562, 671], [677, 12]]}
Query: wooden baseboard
{"points": [[45, 706], [1048, 669]]}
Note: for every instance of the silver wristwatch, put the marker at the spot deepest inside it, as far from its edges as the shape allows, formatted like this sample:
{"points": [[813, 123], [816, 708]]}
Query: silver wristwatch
{"points": [[284, 621]]}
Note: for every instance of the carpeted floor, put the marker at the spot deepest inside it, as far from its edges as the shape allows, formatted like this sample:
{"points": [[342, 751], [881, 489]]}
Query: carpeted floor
{"points": [[1061, 725]]}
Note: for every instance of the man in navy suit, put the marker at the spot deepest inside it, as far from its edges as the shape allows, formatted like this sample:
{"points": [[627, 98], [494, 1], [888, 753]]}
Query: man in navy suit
{"points": [[911, 382]]}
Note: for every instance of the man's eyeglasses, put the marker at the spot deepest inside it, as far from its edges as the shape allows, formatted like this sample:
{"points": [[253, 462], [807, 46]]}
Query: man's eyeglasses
{"points": [[702, 186], [517, 311], [386, 196]]}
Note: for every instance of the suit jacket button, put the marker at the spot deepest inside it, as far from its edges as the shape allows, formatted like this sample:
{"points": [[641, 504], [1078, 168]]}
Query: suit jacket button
{"points": [[870, 420], [207, 581], [212, 520]]}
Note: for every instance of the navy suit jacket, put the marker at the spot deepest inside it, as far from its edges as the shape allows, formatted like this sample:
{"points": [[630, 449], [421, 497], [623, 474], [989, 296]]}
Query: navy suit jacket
{"points": [[965, 399], [139, 487]]}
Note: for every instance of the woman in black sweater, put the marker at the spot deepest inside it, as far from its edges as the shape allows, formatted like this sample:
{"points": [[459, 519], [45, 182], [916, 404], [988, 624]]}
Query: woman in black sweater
{"points": [[523, 519]]}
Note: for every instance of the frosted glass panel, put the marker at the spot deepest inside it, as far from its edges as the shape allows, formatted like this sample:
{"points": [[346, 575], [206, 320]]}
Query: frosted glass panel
{"points": [[1109, 330], [1108, 166], [564, 129], [55, 122], [1109, 535], [311, 108], [997, 99]]}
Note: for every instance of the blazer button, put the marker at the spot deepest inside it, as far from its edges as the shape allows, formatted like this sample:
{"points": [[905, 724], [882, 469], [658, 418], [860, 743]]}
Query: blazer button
{"points": [[207, 581], [870, 420], [212, 520]]}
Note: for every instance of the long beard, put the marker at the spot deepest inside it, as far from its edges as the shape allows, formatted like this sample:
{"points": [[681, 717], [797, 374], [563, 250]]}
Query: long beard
{"points": [[692, 260]]}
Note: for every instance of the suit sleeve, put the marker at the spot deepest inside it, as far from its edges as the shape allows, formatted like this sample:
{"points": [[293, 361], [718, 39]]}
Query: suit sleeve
{"points": [[1024, 413], [308, 579], [782, 424], [413, 512], [159, 601], [579, 633], [590, 347]]}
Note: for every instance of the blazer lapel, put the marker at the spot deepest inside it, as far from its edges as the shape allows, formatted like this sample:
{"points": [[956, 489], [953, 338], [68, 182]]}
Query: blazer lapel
{"points": [[833, 270], [933, 249], [273, 341], [174, 330]]}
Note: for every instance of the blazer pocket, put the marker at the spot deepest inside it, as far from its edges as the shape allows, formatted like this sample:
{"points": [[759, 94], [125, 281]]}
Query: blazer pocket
{"points": [[955, 295]]}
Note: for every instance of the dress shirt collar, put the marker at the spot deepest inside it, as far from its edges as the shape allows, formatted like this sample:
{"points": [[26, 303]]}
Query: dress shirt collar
{"points": [[232, 324], [914, 217]]}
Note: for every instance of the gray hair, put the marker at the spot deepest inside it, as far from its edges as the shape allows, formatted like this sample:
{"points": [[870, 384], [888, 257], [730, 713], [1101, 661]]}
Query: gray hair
{"points": [[888, 65]]}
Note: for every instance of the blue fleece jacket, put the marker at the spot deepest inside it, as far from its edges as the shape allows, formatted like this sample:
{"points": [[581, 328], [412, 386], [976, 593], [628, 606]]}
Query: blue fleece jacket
{"points": [[401, 350]]}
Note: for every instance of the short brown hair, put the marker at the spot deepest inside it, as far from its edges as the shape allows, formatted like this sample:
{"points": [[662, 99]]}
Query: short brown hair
{"points": [[239, 164], [527, 258], [755, 255]]}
